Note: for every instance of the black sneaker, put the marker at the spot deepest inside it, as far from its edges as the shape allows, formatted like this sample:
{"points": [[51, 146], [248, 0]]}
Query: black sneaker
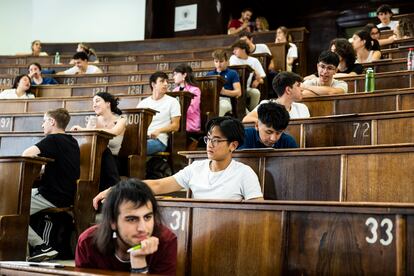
{"points": [[42, 252]]}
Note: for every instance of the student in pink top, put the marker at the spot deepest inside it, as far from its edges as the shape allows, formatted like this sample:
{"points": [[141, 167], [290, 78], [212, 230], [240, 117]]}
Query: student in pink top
{"points": [[184, 79]]}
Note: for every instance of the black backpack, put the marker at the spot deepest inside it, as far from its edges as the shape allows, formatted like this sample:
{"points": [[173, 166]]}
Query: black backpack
{"points": [[158, 167], [56, 230]]}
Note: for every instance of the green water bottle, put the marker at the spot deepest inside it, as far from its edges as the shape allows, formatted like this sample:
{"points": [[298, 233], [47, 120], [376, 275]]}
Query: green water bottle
{"points": [[369, 80]]}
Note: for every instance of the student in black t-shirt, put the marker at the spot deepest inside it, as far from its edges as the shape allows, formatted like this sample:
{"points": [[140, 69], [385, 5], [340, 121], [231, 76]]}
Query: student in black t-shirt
{"points": [[58, 183]]}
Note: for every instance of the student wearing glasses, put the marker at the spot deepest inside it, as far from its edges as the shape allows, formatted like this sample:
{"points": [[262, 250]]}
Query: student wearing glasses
{"points": [[219, 176], [325, 84]]}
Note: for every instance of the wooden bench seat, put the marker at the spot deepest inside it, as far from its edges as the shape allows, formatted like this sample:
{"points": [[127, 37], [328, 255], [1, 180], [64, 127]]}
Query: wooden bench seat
{"points": [[291, 238], [394, 53], [385, 80], [354, 129], [381, 173], [379, 101], [387, 65], [127, 66], [17, 175]]}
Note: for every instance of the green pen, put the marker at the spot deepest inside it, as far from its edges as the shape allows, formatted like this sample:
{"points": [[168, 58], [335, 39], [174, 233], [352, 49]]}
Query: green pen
{"points": [[136, 247]]}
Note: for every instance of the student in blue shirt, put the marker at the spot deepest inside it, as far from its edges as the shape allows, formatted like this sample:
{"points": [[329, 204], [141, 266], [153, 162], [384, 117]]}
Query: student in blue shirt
{"points": [[268, 132], [35, 73], [232, 87]]}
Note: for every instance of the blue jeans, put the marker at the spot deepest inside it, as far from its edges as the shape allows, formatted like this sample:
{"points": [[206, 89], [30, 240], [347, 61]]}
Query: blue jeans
{"points": [[154, 146]]}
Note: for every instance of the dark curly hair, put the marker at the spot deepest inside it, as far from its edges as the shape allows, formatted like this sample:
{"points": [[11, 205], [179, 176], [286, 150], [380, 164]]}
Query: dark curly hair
{"points": [[109, 98], [344, 49]]}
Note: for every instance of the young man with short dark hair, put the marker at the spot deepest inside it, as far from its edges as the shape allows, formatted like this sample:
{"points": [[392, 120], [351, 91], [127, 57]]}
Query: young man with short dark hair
{"points": [[130, 217], [241, 56], [288, 89], [167, 119], [218, 176], [384, 14], [57, 186], [325, 84], [81, 66], [269, 129], [231, 87]]}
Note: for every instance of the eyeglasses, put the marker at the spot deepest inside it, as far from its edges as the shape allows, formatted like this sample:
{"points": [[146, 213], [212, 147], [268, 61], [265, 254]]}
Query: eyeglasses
{"points": [[326, 67], [375, 33], [213, 141]]}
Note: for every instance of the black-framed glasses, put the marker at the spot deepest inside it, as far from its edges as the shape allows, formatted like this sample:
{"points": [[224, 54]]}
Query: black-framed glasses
{"points": [[213, 141], [326, 67]]}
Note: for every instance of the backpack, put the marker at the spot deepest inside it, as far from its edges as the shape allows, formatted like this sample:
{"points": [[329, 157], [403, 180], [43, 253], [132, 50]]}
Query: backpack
{"points": [[158, 167], [57, 230]]}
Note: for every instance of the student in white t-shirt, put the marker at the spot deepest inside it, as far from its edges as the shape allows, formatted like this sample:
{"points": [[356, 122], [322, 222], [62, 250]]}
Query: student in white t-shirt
{"points": [[259, 48], [20, 90], [325, 84], [384, 14], [241, 56], [219, 176], [81, 66], [287, 86], [283, 36], [167, 119]]}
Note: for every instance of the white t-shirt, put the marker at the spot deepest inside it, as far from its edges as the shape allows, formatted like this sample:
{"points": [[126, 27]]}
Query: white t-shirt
{"points": [[393, 24], [297, 110], [293, 51], [335, 84], [92, 69], [261, 48], [237, 181], [167, 107], [253, 62], [11, 94]]}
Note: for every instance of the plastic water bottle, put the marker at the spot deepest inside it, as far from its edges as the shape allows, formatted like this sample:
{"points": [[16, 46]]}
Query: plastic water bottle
{"points": [[410, 59], [369, 80], [57, 58]]}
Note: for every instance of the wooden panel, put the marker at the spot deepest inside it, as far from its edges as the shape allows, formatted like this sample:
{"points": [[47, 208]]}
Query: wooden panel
{"points": [[9, 183], [17, 175], [43, 106], [365, 105], [373, 177], [178, 221], [399, 130], [302, 178], [287, 238], [407, 101], [7, 108], [338, 134], [335, 244], [388, 65], [216, 231], [388, 80], [409, 242], [321, 107], [295, 131]]}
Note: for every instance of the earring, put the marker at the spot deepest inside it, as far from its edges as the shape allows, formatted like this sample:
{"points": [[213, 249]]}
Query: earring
{"points": [[114, 235]]}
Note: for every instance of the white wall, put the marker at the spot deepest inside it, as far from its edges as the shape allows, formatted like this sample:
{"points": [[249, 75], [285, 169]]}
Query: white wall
{"points": [[22, 21]]}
